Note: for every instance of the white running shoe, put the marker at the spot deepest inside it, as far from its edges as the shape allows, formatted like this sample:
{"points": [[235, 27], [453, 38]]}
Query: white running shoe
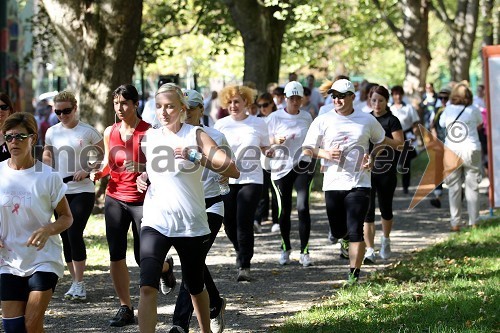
{"points": [[370, 256], [257, 228], [305, 259], [285, 257], [385, 248], [275, 228], [79, 293], [243, 274], [69, 294], [217, 324]]}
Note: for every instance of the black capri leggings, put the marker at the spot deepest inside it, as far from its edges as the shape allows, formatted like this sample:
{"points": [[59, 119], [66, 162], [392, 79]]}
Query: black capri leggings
{"points": [[301, 178], [346, 212], [118, 215], [192, 252], [240, 205], [81, 205], [383, 186]]}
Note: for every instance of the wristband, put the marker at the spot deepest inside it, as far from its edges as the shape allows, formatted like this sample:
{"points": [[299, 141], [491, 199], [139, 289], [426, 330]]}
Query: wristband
{"points": [[194, 156]]}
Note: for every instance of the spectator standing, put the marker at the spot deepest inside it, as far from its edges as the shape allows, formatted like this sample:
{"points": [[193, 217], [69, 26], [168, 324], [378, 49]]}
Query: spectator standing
{"points": [[459, 115], [315, 98]]}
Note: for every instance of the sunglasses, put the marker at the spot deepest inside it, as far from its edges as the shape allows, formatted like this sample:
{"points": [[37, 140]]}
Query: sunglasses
{"points": [[18, 137], [342, 95], [263, 105], [4, 107], [63, 111]]}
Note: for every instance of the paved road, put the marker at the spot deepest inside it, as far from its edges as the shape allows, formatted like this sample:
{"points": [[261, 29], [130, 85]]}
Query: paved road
{"points": [[276, 292]]}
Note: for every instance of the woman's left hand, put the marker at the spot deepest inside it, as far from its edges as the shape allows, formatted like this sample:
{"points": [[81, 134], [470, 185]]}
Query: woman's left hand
{"points": [[80, 175], [38, 238]]}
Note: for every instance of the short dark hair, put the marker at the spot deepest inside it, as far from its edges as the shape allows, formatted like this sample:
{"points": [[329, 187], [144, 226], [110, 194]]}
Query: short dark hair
{"points": [[24, 119], [397, 90], [280, 91], [379, 90], [6, 99], [127, 91]]}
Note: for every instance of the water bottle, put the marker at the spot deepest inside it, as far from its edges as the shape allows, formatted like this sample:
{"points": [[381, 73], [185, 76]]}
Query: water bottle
{"points": [[224, 188]]}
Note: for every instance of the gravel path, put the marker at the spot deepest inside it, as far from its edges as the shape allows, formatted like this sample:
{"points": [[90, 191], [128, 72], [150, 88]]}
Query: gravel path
{"points": [[275, 293]]}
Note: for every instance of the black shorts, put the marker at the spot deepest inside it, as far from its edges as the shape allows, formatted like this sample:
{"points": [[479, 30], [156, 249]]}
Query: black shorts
{"points": [[18, 288]]}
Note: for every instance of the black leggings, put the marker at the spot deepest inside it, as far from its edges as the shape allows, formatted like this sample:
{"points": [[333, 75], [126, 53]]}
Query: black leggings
{"points": [[262, 212], [81, 205], [346, 212], [300, 178], [183, 306], [404, 166], [240, 205], [118, 215], [192, 252], [383, 186]]}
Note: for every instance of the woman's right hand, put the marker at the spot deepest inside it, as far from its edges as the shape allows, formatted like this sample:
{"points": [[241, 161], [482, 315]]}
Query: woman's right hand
{"points": [[95, 176], [142, 182]]}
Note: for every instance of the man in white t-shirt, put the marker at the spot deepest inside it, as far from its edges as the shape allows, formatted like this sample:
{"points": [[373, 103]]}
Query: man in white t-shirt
{"points": [[342, 138]]}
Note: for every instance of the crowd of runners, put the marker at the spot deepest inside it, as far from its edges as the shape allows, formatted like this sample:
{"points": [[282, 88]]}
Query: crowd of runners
{"points": [[185, 165]]}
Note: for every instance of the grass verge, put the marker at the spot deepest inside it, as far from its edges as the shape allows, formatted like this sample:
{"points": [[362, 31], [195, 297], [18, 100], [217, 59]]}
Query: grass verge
{"points": [[453, 286]]}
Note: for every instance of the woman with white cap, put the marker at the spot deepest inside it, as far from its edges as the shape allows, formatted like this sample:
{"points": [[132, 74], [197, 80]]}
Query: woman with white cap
{"points": [[342, 138], [290, 169]]}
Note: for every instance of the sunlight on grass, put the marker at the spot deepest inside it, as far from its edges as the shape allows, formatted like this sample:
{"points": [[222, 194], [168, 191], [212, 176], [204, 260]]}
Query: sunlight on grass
{"points": [[450, 287]]}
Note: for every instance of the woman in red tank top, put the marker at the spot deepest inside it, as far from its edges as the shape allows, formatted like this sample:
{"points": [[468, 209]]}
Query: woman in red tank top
{"points": [[123, 162]]}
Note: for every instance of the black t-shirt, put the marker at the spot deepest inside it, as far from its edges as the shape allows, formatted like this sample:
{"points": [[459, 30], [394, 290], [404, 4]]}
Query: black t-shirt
{"points": [[4, 152], [387, 159]]}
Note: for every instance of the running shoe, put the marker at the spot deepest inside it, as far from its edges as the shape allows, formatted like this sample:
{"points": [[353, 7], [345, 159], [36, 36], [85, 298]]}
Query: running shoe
{"points": [[344, 249], [332, 239], [167, 279], [79, 293], [176, 329], [370, 256], [217, 324], [243, 274], [352, 280], [124, 316], [385, 248], [257, 228], [70, 292], [275, 228], [284, 257], [305, 260]]}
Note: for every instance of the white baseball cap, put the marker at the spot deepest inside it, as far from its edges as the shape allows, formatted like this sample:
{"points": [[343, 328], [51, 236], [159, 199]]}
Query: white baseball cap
{"points": [[193, 98], [342, 86], [294, 88]]}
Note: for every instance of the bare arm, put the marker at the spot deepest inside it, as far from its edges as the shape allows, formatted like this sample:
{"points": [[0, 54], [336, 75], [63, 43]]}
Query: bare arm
{"points": [[104, 165], [214, 157], [47, 156]]}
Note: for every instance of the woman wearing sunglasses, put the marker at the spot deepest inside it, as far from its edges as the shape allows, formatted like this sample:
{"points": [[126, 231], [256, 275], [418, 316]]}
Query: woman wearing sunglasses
{"points": [[6, 109], [30, 246], [68, 146], [266, 106]]}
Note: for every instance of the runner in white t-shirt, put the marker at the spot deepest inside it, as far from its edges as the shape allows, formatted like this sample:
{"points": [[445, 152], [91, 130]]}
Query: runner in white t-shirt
{"points": [[342, 138], [30, 247], [291, 169], [68, 147], [174, 206], [248, 137]]}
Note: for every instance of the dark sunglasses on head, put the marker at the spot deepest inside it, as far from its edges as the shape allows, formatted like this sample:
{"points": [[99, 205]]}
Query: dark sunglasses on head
{"points": [[18, 137], [342, 95], [63, 111], [263, 105], [4, 107]]}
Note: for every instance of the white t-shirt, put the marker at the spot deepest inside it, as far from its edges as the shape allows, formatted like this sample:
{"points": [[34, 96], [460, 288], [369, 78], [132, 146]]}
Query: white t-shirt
{"points": [[326, 108], [29, 198], [316, 98], [352, 134], [245, 138], [289, 153], [71, 148], [463, 134], [211, 179], [175, 202], [407, 116]]}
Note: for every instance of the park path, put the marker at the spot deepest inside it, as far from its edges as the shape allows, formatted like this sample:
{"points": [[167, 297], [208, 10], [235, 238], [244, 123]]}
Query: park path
{"points": [[276, 292]]}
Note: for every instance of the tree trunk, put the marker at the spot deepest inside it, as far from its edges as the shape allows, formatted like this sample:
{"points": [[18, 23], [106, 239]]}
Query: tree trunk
{"points": [[262, 38], [463, 34], [414, 35], [100, 41], [487, 15]]}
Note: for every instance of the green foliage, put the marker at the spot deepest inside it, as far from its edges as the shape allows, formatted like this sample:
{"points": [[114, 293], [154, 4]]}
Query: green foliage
{"points": [[450, 287]]}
